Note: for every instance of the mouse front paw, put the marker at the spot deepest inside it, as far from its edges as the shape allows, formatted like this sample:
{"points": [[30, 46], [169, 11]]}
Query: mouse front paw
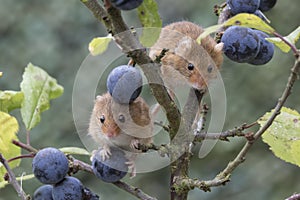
{"points": [[134, 144], [105, 153], [131, 168]]}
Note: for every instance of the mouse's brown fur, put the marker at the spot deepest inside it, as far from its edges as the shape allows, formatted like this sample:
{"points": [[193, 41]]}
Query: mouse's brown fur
{"points": [[183, 51]]}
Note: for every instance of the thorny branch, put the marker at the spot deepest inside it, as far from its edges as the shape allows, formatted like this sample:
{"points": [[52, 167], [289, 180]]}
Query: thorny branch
{"points": [[224, 176], [235, 132], [12, 179], [294, 197], [77, 165]]}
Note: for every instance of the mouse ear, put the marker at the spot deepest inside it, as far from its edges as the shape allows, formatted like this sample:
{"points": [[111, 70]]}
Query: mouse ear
{"points": [[101, 97], [219, 47]]}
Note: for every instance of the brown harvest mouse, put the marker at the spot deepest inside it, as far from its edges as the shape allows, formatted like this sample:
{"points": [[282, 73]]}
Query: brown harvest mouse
{"points": [[186, 61], [121, 125]]}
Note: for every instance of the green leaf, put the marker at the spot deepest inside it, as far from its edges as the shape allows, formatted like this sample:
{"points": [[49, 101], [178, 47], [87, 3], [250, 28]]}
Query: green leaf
{"points": [[208, 31], [150, 19], [283, 136], [8, 129], [38, 88], [99, 45], [148, 14], [10, 100], [249, 20], [293, 37], [74, 150], [21, 178]]}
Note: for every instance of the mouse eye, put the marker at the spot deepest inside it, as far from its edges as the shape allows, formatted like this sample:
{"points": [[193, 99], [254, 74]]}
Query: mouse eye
{"points": [[190, 66], [209, 68], [102, 119], [121, 118]]}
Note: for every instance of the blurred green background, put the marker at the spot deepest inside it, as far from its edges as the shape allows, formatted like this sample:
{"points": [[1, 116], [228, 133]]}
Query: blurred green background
{"points": [[55, 34]]}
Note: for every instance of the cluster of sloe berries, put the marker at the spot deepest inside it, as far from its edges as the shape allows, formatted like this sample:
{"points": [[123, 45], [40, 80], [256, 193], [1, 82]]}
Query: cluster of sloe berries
{"points": [[50, 166], [124, 83], [246, 45], [126, 4]]}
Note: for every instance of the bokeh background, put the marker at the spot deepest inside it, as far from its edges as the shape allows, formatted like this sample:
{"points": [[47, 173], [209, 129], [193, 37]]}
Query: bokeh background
{"points": [[54, 35]]}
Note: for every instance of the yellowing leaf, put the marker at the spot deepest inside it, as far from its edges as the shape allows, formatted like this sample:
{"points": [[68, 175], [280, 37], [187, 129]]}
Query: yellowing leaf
{"points": [[279, 43], [149, 36], [293, 37], [10, 100], [150, 19], [283, 136], [99, 45], [208, 31], [8, 129], [1, 73], [148, 14], [249, 20], [295, 148], [21, 178], [38, 88], [74, 150]]}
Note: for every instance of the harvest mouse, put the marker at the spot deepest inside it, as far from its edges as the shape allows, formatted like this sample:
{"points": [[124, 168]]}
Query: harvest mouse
{"points": [[186, 61], [121, 125]]}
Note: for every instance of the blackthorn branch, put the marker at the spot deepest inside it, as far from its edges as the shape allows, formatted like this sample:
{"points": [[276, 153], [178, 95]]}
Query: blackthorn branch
{"points": [[294, 197], [12, 179]]}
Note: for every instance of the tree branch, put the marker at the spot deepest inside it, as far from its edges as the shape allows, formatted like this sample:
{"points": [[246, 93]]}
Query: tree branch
{"points": [[99, 13], [224, 175], [236, 132], [24, 146], [294, 197], [187, 184], [76, 165], [12, 179], [183, 141], [133, 190]]}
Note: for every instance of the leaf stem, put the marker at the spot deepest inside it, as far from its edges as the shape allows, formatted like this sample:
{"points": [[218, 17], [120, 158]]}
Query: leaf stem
{"points": [[24, 146], [293, 47], [31, 155], [28, 137]]}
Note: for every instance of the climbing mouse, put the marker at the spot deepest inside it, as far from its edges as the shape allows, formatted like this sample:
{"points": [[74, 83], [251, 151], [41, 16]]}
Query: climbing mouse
{"points": [[186, 61], [122, 125]]}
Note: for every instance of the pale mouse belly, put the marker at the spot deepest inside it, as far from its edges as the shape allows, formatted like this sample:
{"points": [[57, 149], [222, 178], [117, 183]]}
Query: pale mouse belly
{"points": [[123, 141]]}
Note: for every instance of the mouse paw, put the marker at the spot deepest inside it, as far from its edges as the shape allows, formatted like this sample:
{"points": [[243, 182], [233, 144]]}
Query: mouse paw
{"points": [[105, 153], [131, 168], [134, 144]]}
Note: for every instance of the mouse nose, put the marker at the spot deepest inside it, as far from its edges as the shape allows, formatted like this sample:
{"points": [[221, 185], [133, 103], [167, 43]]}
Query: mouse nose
{"points": [[197, 82], [111, 130]]}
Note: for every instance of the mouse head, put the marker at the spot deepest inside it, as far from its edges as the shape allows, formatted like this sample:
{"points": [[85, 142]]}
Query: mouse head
{"points": [[192, 62], [114, 118], [103, 116]]}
